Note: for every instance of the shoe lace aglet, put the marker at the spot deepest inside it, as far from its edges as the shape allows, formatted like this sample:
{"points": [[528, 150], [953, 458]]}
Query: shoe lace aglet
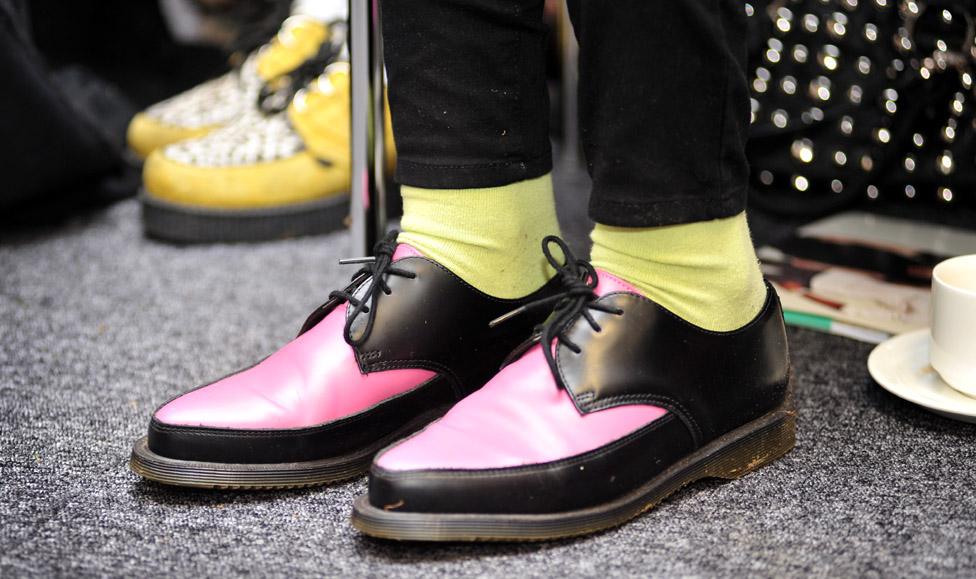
{"points": [[356, 260], [505, 317]]}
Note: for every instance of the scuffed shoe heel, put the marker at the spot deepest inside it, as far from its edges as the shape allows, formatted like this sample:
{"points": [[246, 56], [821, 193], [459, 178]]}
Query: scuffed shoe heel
{"points": [[754, 450]]}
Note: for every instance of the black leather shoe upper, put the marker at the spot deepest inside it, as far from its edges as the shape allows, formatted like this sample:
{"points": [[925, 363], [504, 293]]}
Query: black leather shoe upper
{"points": [[619, 349], [713, 381], [429, 318], [436, 321]]}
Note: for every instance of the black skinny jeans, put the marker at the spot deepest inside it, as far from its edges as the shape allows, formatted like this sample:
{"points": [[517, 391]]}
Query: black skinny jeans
{"points": [[664, 102]]}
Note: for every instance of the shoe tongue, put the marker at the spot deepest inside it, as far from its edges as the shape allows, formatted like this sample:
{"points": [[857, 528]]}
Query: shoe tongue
{"points": [[298, 40], [610, 283], [403, 250]]}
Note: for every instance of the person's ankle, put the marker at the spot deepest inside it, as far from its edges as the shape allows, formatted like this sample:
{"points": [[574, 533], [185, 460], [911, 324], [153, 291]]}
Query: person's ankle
{"points": [[489, 237], [704, 272]]}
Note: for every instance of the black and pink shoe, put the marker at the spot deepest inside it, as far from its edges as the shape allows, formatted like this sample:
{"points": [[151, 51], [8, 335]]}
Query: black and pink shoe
{"points": [[381, 359], [615, 404]]}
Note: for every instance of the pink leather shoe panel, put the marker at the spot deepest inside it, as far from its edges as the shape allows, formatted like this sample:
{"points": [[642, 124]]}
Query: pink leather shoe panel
{"points": [[403, 250], [520, 417], [312, 380], [610, 283]]}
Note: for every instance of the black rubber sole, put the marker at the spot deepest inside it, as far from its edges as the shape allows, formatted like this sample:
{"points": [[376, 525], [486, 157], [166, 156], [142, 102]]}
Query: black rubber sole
{"points": [[189, 224], [729, 457], [219, 475]]}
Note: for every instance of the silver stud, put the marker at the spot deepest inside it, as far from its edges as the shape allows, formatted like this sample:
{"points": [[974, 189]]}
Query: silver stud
{"points": [[829, 56], [837, 186], [870, 32], [945, 194], [945, 163], [810, 23], [800, 183], [864, 65], [918, 140], [867, 163], [909, 163], [800, 53], [847, 125], [820, 88], [780, 118], [784, 19], [802, 150], [904, 40], [766, 178], [872, 192], [837, 24], [957, 104], [910, 191], [840, 158], [855, 93], [788, 85]]}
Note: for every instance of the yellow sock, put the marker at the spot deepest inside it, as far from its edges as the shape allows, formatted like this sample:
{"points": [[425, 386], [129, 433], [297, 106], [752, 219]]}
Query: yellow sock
{"points": [[705, 272], [489, 237]]}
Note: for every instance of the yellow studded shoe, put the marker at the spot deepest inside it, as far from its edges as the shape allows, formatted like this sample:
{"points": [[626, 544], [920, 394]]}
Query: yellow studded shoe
{"points": [[218, 102], [261, 177]]}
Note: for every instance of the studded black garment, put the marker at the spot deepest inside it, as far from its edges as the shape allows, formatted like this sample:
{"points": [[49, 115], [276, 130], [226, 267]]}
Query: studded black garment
{"points": [[862, 99]]}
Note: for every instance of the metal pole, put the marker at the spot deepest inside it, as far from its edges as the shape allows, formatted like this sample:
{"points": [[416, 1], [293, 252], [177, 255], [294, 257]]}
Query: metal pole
{"points": [[570, 82], [367, 204], [378, 77]]}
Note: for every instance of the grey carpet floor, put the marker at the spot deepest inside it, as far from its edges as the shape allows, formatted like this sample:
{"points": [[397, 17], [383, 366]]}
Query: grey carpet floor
{"points": [[99, 325]]}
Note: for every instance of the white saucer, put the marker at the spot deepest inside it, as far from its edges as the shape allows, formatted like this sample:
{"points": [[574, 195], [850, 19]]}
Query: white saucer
{"points": [[901, 366]]}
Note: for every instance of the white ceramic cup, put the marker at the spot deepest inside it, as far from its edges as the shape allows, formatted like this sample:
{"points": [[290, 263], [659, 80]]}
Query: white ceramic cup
{"points": [[953, 344]]}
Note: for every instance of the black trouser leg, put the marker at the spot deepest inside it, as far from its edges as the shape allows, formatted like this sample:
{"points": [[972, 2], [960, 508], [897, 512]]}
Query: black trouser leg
{"points": [[663, 101], [467, 91], [664, 108]]}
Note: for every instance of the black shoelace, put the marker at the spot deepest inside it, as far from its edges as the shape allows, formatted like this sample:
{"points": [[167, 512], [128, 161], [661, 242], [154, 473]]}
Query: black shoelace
{"points": [[579, 280], [376, 268]]}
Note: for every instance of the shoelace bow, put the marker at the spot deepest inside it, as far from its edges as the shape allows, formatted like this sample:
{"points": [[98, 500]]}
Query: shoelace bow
{"points": [[579, 279], [376, 268]]}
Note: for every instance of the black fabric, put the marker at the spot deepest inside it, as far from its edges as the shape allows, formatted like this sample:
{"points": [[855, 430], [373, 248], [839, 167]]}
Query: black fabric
{"points": [[59, 129], [467, 91], [329, 440], [664, 106], [598, 476]]}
